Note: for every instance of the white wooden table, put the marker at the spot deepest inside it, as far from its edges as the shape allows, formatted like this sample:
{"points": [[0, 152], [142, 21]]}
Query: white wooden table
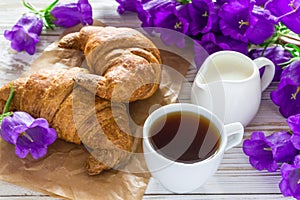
{"points": [[235, 179]]}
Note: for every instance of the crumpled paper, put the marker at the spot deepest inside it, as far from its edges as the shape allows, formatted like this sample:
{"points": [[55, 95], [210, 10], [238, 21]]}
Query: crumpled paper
{"points": [[62, 173]]}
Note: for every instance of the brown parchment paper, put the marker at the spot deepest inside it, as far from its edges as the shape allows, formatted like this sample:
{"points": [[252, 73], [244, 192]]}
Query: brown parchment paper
{"points": [[62, 173]]}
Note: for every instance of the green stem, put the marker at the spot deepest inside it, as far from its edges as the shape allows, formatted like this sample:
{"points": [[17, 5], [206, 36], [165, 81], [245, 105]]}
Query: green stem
{"points": [[268, 43], [8, 102], [43, 14], [286, 64]]}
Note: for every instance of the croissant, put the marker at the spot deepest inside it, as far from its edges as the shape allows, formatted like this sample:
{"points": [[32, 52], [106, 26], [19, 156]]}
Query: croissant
{"points": [[124, 65], [76, 114]]}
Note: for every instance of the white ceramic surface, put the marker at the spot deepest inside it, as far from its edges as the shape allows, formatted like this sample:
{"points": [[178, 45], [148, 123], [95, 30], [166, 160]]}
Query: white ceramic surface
{"points": [[180, 177], [229, 84]]}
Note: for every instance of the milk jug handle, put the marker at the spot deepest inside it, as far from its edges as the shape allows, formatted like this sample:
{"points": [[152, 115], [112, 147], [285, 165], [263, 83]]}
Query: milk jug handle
{"points": [[269, 72]]}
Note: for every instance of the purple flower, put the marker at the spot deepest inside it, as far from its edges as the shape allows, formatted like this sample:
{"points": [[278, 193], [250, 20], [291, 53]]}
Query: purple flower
{"points": [[287, 95], [28, 134], [243, 21], [236, 18], [263, 28], [213, 43], [162, 15], [260, 155], [70, 14], [288, 12], [294, 124], [201, 15], [126, 5], [277, 54], [159, 13], [289, 185], [265, 152], [282, 148], [25, 33]]}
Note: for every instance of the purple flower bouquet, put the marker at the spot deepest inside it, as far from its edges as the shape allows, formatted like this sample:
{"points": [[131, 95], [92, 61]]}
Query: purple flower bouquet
{"points": [[255, 28]]}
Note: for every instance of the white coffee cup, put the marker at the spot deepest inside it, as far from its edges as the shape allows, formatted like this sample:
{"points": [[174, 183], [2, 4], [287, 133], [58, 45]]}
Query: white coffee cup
{"points": [[229, 84], [180, 177]]}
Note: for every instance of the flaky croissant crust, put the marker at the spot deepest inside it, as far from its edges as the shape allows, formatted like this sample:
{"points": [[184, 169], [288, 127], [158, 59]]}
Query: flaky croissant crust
{"points": [[127, 63], [75, 113]]}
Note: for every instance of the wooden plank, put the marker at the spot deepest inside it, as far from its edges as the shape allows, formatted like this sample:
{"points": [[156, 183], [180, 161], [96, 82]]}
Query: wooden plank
{"points": [[228, 185], [8, 189], [216, 197], [234, 176], [235, 179], [28, 198]]}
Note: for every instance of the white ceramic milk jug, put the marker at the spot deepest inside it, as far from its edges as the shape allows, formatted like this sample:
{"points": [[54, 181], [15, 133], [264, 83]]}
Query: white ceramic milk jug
{"points": [[229, 84]]}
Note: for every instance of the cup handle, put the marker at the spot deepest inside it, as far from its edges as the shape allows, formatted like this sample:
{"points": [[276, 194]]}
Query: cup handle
{"points": [[234, 132], [269, 72]]}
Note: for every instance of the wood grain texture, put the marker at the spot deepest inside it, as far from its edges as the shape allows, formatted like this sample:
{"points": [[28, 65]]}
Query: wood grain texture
{"points": [[235, 179]]}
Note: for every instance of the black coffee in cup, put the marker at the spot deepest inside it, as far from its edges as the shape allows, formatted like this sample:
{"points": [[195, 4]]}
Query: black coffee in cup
{"points": [[184, 137]]}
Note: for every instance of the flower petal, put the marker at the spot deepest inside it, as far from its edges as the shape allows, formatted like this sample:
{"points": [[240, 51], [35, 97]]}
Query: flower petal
{"points": [[294, 123], [201, 14], [282, 148], [21, 152], [12, 126], [283, 98], [295, 139], [297, 161], [292, 20], [267, 163], [41, 122], [28, 134], [51, 136], [285, 188], [286, 96], [286, 169], [126, 5], [278, 7], [23, 118], [236, 18], [263, 28], [37, 153], [66, 15], [85, 10]]}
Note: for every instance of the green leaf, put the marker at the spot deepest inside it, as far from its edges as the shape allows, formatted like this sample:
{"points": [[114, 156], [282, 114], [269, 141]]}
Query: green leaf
{"points": [[29, 6], [47, 17], [184, 1], [293, 49], [51, 6]]}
